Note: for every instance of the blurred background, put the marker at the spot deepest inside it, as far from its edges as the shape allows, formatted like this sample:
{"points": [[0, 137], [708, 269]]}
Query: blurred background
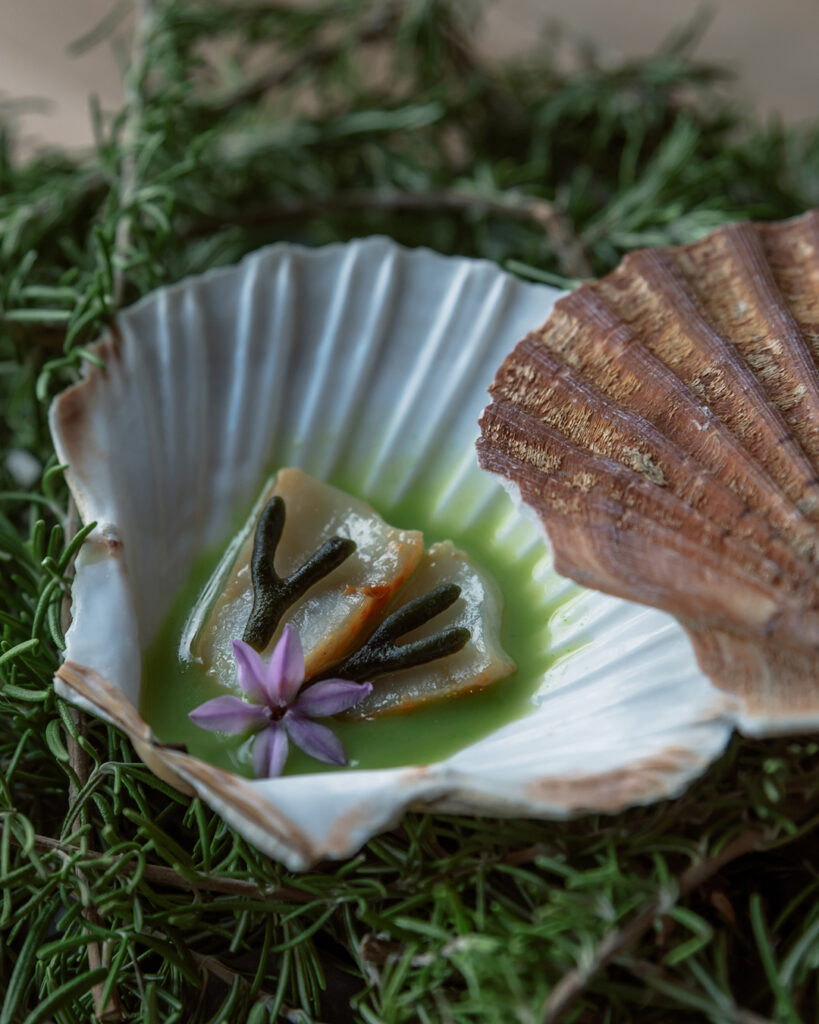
{"points": [[770, 46]]}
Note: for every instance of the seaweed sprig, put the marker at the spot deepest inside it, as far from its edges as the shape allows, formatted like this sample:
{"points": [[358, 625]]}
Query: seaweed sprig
{"points": [[381, 653], [274, 594]]}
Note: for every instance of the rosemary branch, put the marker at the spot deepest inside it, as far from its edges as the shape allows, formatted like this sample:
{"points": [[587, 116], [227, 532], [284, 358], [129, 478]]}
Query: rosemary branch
{"points": [[569, 989], [134, 106], [569, 247], [110, 1009], [371, 29], [160, 874]]}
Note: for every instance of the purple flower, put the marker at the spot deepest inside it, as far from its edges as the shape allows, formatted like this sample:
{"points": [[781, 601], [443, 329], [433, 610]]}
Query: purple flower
{"points": [[275, 709]]}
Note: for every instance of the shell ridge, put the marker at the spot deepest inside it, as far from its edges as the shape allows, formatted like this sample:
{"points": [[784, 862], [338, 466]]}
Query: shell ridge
{"points": [[283, 326], [332, 335], [418, 376], [653, 297], [203, 412], [620, 367], [365, 355], [540, 383], [468, 364], [579, 480], [143, 506], [750, 308], [243, 382], [792, 251]]}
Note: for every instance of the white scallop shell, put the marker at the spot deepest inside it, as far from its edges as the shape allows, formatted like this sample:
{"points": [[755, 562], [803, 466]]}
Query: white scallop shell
{"points": [[375, 358]]}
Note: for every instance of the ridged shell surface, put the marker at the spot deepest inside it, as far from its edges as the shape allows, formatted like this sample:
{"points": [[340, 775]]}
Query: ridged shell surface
{"points": [[369, 362], [663, 424]]}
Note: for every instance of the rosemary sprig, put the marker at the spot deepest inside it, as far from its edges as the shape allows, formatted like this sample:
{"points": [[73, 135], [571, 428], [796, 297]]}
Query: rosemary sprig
{"points": [[382, 654], [272, 594]]}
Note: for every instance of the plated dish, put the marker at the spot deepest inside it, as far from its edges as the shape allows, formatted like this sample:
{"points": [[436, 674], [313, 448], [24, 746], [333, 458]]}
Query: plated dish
{"points": [[365, 365]]}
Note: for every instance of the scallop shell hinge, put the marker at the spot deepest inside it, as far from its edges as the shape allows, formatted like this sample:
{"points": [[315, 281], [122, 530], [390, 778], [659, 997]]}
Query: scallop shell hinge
{"points": [[664, 425]]}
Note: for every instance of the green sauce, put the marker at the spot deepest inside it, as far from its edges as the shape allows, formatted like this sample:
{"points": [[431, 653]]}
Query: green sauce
{"points": [[428, 734]]}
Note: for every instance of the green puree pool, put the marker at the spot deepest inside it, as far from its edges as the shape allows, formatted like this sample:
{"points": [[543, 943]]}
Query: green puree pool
{"points": [[171, 688]]}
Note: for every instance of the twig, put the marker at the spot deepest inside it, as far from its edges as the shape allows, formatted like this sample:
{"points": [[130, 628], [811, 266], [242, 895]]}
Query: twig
{"points": [[569, 989], [212, 965], [568, 247], [650, 974], [78, 759], [370, 31], [527, 854], [215, 967], [162, 875]]}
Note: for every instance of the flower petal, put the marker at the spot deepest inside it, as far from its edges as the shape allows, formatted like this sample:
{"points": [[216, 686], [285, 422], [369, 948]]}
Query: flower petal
{"points": [[330, 696], [316, 740], [229, 714], [285, 673], [270, 750], [252, 671]]}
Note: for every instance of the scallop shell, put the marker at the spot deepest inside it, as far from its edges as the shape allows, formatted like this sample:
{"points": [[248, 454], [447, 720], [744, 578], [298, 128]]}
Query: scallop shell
{"points": [[663, 424], [368, 361]]}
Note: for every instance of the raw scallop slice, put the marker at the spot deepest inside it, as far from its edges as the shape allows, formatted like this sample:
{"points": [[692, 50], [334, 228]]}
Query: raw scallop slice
{"points": [[481, 662], [336, 614]]}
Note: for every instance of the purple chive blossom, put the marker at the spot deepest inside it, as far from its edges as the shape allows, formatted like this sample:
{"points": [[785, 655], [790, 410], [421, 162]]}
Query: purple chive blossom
{"points": [[275, 710]]}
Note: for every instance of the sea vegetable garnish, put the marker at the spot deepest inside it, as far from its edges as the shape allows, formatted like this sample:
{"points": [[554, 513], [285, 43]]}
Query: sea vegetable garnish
{"points": [[274, 594], [381, 653]]}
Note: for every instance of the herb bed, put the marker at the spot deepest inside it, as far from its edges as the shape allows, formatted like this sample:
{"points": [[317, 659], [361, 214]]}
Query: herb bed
{"points": [[122, 898]]}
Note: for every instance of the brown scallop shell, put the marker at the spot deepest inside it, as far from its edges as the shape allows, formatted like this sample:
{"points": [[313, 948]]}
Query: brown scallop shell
{"points": [[664, 426]]}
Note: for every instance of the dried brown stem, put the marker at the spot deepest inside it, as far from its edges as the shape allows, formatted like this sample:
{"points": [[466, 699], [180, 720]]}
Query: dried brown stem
{"points": [[647, 973], [229, 977], [162, 875], [571, 987], [568, 247], [110, 1010], [212, 965], [215, 967]]}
